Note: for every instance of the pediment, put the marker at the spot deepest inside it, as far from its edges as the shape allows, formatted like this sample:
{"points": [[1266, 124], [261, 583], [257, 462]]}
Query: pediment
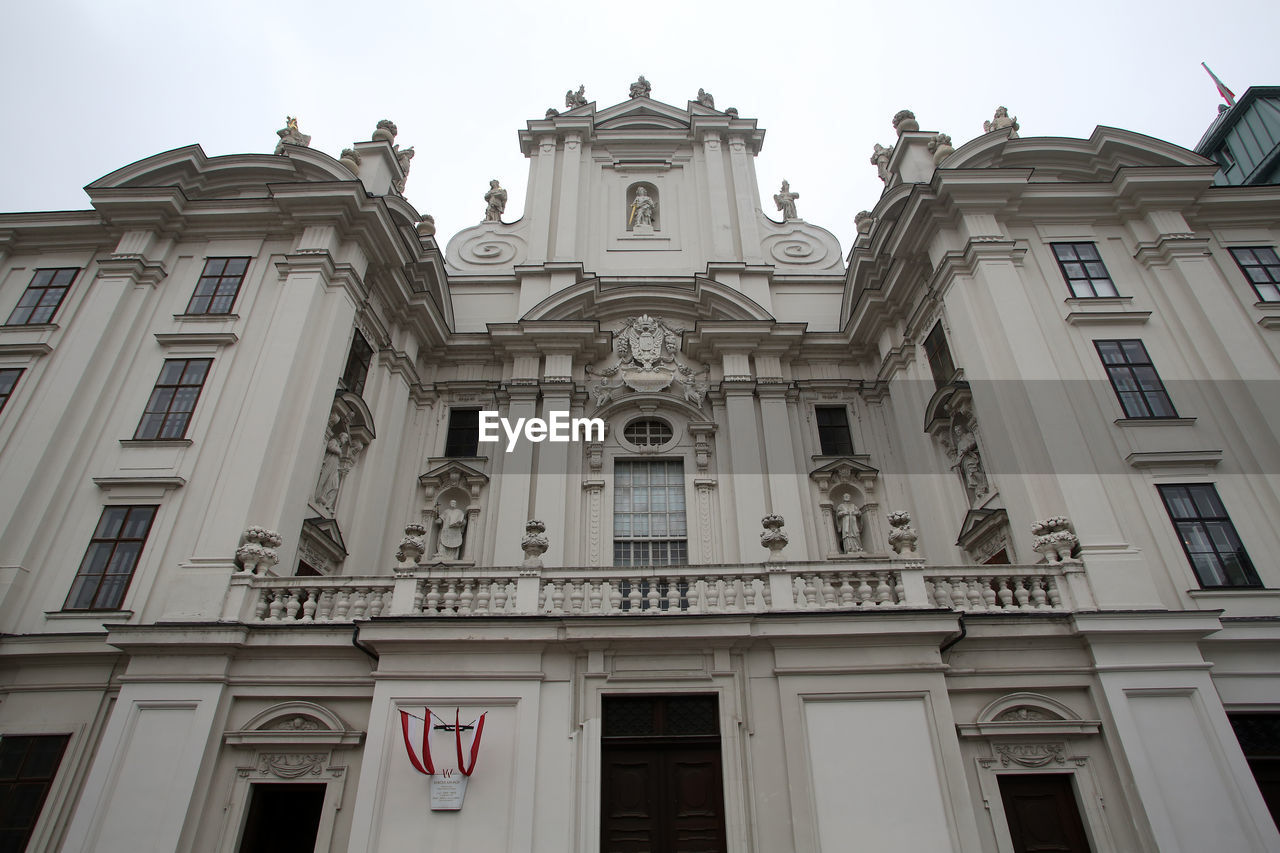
{"points": [[844, 470], [453, 473], [643, 114], [325, 532]]}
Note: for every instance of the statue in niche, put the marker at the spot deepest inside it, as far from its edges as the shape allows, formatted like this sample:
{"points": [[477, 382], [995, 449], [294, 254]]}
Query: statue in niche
{"points": [[453, 528], [642, 210], [969, 460], [848, 517], [291, 135], [1000, 121], [880, 159], [331, 469], [704, 98], [786, 201], [641, 88], [495, 201], [574, 99]]}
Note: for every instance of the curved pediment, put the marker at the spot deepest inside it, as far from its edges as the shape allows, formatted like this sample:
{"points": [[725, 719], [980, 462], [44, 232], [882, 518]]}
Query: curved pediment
{"points": [[1052, 158], [605, 300]]}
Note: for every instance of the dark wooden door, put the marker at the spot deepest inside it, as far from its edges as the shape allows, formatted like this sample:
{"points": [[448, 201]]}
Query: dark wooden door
{"points": [[1042, 813], [662, 798]]}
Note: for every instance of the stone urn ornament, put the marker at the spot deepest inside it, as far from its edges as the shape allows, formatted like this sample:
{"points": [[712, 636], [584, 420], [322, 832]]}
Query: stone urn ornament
{"points": [[1055, 540], [534, 544], [902, 536], [257, 552], [413, 545], [941, 147], [351, 159], [904, 121], [773, 536]]}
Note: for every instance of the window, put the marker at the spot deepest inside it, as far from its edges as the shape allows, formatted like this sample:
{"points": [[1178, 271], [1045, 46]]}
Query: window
{"points": [[174, 399], [939, 356], [833, 430], [1135, 380], [218, 285], [463, 438], [45, 293], [1084, 271], [28, 764], [107, 567], [1208, 536], [1262, 267], [8, 379], [647, 432], [357, 369], [648, 514]]}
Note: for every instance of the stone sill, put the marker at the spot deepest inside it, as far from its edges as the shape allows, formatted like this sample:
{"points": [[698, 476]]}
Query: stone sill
{"points": [[98, 615], [156, 442], [1151, 422], [1232, 591]]}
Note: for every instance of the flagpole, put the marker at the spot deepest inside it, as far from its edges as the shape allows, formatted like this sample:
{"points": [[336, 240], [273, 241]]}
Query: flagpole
{"points": [[1227, 94]]}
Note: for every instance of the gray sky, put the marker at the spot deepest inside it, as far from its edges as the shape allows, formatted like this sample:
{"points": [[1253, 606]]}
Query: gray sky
{"points": [[93, 86]]}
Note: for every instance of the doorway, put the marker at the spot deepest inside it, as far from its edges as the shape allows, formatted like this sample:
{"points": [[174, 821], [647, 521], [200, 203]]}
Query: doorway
{"points": [[662, 787], [1042, 813], [284, 817]]}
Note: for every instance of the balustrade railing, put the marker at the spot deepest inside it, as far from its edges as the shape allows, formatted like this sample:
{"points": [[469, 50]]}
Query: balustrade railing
{"points": [[661, 591]]}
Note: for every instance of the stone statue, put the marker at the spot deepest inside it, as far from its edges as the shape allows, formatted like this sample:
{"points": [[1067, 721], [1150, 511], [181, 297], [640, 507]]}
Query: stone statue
{"points": [[847, 517], [386, 131], [732, 112], [1000, 121], [642, 209], [786, 201], [880, 159], [496, 201], [574, 99], [453, 528], [331, 471], [289, 134], [641, 88], [403, 157], [552, 112], [969, 460], [704, 98], [863, 221]]}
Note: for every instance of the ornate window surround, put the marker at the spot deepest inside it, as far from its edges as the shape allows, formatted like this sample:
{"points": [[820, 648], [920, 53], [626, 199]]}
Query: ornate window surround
{"points": [[1030, 733], [291, 742]]}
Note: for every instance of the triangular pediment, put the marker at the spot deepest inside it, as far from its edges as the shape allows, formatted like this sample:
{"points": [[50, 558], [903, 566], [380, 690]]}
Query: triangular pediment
{"points": [[643, 114], [326, 532]]}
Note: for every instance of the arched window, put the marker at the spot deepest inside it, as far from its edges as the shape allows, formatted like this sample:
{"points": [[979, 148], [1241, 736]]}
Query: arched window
{"points": [[647, 432]]}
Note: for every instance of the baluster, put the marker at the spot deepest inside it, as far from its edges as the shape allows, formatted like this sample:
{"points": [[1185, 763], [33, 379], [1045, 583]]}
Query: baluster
{"points": [[360, 603], [653, 597], [433, 597], [864, 590], [613, 594], [500, 596], [309, 606], [811, 590], [633, 596], [737, 590], [291, 605], [847, 590], [419, 595], [988, 594], [721, 603], [1038, 598], [797, 592], [277, 605], [883, 591], [595, 594], [673, 595], [1006, 594], [768, 594], [376, 602], [557, 598], [260, 609], [929, 591], [341, 602], [1055, 595], [829, 597], [899, 593], [1021, 594], [450, 599], [466, 598], [484, 590], [325, 607], [576, 595], [959, 600], [697, 596], [975, 595]]}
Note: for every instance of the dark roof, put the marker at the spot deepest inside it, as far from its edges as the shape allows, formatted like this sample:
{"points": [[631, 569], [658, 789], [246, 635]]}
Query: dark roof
{"points": [[1227, 119]]}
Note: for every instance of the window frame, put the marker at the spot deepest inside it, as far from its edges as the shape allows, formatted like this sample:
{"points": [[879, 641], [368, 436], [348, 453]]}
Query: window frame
{"points": [[453, 430], [45, 782], [168, 413], [1125, 396], [358, 357], [219, 278], [116, 540], [7, 392], [937, 352], [39, 302], [1088, 278], [841, 432], [1248, 572], [676, 546], [1270, 268]]}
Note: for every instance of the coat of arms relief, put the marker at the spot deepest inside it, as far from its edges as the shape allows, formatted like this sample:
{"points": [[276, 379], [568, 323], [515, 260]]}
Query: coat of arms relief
{"points": [[647, 359]]}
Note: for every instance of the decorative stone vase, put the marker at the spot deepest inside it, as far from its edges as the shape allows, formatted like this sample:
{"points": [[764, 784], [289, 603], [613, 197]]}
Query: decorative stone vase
{"points": [[941, 147], [351, 159], [257, 552], [427, 227], [1055, 539], [774, 537], [534, 544], [413, 545], [904, 121], [902, 536], [385, 131]]}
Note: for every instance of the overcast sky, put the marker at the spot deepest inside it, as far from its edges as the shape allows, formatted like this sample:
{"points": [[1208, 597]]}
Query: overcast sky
{"points": [[92, 86]]}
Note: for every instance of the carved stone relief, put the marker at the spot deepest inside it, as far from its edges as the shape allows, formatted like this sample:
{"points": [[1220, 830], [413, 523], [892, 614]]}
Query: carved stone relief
{"points": [[647, 359]]}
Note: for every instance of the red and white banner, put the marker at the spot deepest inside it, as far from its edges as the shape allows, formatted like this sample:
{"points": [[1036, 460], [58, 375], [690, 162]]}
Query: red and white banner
{"points": [[416, 732]]}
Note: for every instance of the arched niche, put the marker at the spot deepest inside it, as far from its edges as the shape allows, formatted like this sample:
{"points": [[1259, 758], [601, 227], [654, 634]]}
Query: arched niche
{"points": [[636, 212]]}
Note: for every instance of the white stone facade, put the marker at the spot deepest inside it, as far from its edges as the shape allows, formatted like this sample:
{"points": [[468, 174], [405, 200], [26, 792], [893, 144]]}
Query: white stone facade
{"points": [[321, 556]]}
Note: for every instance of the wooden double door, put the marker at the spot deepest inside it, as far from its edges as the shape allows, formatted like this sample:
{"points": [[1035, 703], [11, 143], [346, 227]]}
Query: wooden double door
{"points": [[662, 790]]}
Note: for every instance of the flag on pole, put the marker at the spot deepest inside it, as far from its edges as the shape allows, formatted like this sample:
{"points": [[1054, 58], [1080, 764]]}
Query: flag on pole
{"points": [[1227, 94]]}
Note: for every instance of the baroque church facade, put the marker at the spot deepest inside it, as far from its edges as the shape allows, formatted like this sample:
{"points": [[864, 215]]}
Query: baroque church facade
{"points": [[962, 539]]}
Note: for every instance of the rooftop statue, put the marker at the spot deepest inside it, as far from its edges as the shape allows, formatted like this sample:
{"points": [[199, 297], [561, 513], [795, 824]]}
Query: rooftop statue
{"points": [[403, 156], [904, 121], [496, 202], [786, 201], [1001, 121], [880, 159], [291, 135], [705, 98], [574, 99], [386, 131], [641, 88]]}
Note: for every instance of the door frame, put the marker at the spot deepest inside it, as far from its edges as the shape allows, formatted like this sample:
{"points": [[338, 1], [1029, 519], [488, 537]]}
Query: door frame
{"points": [[1083, 784]]}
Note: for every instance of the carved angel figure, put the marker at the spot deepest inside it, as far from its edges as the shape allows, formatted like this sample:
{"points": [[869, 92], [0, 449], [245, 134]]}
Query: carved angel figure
{"points": [[291, 135], [1000, 121], [880, 158], [495, 201], [574, 99], [786, 201]]}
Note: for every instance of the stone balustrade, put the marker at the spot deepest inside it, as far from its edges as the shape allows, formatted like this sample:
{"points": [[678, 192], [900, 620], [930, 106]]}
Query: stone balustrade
{"points": [[860, 585]]}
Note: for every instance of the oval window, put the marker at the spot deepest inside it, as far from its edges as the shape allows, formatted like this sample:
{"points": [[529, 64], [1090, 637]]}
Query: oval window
{"points": [[647, 432]]}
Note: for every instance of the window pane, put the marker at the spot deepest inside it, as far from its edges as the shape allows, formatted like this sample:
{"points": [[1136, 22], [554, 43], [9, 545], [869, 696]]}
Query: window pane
{"points": [[1179, 502], [1267, 256], [1245, 256], [1074, 270], [95, 559], [1064, 251], [1087, 251], [139, 522], [195, 372], [1207, 570], [236, 266], [112, 519], [1110, 352], [111, 592], [1104, 287], [124, 558]]}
